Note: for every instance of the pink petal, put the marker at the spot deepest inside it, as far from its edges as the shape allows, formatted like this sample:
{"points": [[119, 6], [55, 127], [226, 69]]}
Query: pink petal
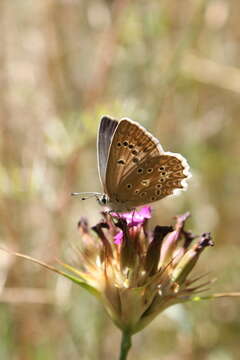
{"points": [[118, 238], [145, 212], [134, 218]]}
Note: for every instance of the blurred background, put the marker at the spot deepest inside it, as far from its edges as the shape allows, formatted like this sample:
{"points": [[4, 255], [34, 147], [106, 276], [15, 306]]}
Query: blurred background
{"points": [[173, 66]]}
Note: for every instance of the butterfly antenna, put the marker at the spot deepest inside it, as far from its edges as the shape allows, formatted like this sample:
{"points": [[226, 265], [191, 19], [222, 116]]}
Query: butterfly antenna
{"points": [[86, 195]]}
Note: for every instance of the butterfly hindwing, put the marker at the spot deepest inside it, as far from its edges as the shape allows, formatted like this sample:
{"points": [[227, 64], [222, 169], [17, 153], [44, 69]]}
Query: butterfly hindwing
{"points": [[153, 179]]}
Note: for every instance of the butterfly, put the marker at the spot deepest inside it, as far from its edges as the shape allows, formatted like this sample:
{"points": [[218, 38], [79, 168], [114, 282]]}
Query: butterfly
{"points": [[133, 167]]}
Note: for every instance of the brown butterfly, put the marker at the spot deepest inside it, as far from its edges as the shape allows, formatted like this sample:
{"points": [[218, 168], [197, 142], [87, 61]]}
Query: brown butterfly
{"points": [[133, 167]]}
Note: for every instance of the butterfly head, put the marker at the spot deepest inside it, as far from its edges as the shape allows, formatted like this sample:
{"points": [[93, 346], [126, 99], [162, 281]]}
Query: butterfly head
{"points": [[103, 199]]}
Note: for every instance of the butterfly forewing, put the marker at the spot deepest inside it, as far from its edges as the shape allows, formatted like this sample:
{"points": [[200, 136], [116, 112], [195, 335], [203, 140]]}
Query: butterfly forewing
{"points": [[131, 145], [105, 133]]}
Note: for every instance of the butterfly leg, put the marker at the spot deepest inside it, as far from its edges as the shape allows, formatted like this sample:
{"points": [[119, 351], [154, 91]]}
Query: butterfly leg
{"points": [[133, 213], [113, 218]]}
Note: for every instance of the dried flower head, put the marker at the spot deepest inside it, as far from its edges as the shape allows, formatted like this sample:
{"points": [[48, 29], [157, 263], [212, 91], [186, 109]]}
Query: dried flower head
{"points": [[137, 273]]}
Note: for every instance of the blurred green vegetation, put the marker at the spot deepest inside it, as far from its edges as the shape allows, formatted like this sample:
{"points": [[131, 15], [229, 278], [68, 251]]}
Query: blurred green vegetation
{"points": [[174, 67]]}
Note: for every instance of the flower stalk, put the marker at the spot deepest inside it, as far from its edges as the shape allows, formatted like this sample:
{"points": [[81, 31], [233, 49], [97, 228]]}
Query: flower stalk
{"points": [[126, 344]]}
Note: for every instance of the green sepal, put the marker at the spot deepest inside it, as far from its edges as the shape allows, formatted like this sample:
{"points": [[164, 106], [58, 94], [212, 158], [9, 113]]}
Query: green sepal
{"points": [[214, 296], [77, 280]]}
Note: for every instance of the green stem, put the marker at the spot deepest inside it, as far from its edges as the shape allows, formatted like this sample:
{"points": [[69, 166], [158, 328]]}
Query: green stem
{"points": [[125, 345]]}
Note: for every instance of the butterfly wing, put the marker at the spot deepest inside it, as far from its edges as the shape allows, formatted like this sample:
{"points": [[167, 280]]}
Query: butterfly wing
{"points": [[105, 133], [153, 179], [138, 170]]}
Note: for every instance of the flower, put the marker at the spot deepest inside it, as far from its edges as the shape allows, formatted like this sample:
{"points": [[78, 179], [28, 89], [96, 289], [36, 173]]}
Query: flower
{"points": [[137, 273]]}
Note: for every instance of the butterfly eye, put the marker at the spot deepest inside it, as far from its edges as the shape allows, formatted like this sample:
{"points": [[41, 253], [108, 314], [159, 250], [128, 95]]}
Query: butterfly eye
{"points": [[158, 186], [157, 192], [143, 194], [150, 170], [119, 144], [161, 168], [135, 160], [125, 143], [121, 162], [137, 191], [140, 170], [134, 152], [129, 186], [130, 146], [153, 198]]}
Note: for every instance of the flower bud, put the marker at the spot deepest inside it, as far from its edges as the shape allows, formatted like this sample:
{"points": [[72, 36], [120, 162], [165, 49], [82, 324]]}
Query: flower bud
{"points": [[154, 248], [190, 258], [170, 243]]}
